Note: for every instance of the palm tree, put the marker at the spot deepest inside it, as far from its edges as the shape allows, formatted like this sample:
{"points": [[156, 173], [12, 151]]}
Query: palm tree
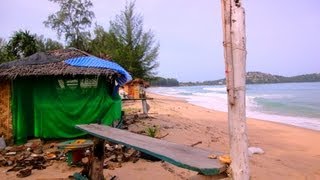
{"points": [[22, 44]]}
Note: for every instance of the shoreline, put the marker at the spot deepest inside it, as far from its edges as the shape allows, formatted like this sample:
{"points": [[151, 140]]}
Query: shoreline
{"points": [[175, 99], [290, 152], [307, 122]]}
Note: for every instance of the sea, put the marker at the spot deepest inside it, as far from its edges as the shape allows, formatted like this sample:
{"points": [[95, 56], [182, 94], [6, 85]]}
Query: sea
{"points": [[296, 104]]}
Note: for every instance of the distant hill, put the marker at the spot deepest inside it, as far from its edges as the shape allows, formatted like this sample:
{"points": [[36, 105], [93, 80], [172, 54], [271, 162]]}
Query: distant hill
{"points": [[264, 78], [259, 77]]}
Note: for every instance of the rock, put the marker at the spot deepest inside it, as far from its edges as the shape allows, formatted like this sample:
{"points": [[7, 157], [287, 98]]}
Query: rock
{"points": [[34, 155], [254, 150], [87, 153], [85, 160], [120, 158], [11, 153], [52, 145], [8, 148], [18, 148], [9, 163], [212, 156], [131, 152], [111, 158], [3, 161], [28, 145], [24, 173], [2, 143], [112, 165], [51, 156], [38, 151], [35, 141]]}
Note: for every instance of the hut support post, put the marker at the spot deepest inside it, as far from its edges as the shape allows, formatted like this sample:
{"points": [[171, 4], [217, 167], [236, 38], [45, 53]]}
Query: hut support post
{"points": [[144, 106], [96, 169], [233, 20]]}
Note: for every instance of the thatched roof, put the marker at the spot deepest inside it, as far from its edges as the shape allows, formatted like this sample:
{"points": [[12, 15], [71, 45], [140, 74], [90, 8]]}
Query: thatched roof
{"points": [[50, 63], [138, 81]]}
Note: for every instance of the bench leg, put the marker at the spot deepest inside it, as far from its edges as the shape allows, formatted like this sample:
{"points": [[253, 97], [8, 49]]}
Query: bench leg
{"points": [[96, 169]]}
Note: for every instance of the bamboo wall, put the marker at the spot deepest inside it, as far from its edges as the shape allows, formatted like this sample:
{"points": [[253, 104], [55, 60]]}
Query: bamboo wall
{"points": [[5, 111], [133, 90]]}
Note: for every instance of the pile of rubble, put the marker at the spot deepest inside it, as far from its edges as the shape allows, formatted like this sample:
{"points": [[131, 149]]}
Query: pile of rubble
{"points": [[38, 155], [117, 154], [32, 155]]}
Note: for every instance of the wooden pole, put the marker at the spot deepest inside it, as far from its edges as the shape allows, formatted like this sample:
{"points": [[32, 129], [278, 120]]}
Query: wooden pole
{"points": [[144, 106], [233, 20], [97, 159]]}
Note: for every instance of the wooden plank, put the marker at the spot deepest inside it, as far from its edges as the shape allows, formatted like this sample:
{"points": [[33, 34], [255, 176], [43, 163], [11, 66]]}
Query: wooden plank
{"points": [[184, 156], [136, 99]]}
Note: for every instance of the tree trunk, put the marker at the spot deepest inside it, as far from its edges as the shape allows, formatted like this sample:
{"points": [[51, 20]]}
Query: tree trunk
{"points": [[235, 62]]}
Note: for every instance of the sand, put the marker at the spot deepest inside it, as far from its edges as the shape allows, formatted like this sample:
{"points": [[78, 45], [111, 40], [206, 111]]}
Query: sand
{"points": [[290, 152]]}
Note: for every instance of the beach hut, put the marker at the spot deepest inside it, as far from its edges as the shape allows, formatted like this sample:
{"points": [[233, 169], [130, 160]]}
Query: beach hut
{"points": [[135, 89], [46, 94]]}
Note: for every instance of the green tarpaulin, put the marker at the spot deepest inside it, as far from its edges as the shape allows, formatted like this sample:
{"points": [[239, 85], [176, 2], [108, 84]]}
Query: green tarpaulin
{"points": [[51, 107]]}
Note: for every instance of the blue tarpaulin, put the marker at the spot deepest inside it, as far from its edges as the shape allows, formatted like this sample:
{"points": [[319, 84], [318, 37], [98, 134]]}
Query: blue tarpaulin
{"points": [[92, 61]]}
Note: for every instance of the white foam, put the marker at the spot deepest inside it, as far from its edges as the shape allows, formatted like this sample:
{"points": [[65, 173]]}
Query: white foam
{"points": [[218, 101], [215, 89], [309, 123]]}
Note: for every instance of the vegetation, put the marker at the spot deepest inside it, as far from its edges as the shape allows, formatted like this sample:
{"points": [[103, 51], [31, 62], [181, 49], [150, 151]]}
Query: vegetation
{"points": [[263, 78], [72, 21], [165, 82], [128, 44], [4, 54], [22, 44], [46, 44], [152, 131]]}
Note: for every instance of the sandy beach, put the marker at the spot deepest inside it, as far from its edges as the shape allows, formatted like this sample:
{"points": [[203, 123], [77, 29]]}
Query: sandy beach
{"points": [[290, 152]]}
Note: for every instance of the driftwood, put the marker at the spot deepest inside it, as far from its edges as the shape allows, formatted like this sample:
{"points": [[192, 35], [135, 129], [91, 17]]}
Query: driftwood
{"points": [[194, 144], [160, 137]]}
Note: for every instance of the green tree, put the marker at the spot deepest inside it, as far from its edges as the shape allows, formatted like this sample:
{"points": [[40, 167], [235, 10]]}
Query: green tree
{"points": [[105, 44], [47, 44], [72, 21], [22, 44], [4, 54], [128, 44], [165, 82]]}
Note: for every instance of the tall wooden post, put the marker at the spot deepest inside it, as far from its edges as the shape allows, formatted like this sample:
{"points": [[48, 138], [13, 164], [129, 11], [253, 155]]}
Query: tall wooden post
{"points": [[233, 19]]}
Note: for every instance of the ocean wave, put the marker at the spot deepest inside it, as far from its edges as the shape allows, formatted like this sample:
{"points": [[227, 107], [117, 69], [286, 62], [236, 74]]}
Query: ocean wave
{"points": [[216, 89], [258, 102], [274, 96], [309, 123]]}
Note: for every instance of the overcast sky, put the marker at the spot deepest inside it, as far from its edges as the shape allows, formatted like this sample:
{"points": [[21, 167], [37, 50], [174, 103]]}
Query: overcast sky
{"points": [[283, 37]]}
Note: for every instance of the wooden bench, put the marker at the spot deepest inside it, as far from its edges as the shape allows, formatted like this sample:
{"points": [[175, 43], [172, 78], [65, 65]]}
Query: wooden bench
{"points": [[184, 156]]}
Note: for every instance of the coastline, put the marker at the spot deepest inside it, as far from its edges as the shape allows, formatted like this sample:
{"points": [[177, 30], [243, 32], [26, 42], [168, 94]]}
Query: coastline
{"points": [[308, 118], [290, 152]]}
